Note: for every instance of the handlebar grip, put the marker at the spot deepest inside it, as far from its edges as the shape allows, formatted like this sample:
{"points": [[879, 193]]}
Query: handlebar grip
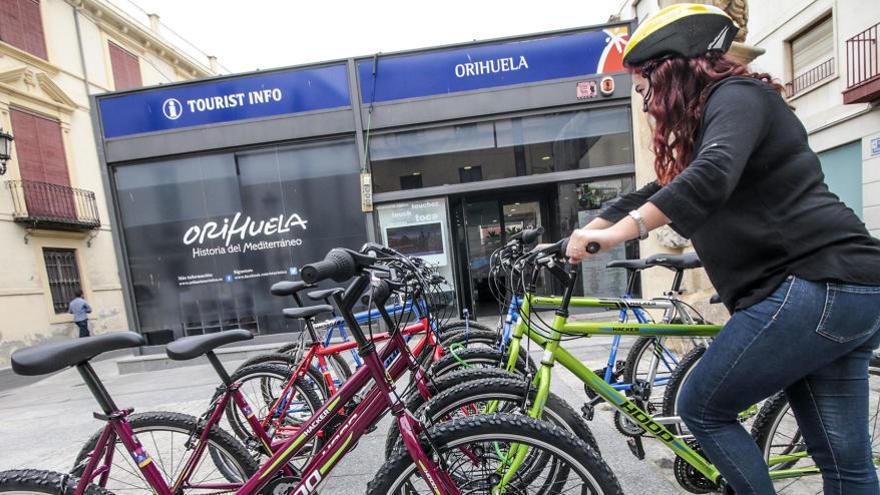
{"points": [[338, 265], [529, 236], [593, 247]]}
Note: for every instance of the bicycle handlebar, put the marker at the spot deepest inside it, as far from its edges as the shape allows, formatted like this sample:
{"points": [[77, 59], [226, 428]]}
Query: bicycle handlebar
{"points": [[339, 265]]}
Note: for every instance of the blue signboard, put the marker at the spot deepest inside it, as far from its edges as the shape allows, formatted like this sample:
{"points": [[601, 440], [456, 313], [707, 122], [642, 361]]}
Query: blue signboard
{"points": [[487, 66], [213, 102]]}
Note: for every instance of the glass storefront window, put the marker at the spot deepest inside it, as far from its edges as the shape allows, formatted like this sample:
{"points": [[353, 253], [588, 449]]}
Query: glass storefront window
{"points": [[505, 148], [580, 203], [207, 236]]}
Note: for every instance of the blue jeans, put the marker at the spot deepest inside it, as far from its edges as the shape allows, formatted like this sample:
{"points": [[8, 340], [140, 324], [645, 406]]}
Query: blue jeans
{"points": [[812, 340], [83, 328]]}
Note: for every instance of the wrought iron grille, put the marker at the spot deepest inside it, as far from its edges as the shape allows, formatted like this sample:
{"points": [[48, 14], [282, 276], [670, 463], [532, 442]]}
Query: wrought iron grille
{"points": [[51, 205], [63, 275]]}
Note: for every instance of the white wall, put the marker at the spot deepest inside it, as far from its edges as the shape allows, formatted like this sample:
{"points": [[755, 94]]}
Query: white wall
{"points": [[828, 121]]}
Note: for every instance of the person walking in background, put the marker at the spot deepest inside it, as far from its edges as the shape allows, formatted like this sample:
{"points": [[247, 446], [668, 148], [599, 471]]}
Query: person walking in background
{"points": [[80, 310]]}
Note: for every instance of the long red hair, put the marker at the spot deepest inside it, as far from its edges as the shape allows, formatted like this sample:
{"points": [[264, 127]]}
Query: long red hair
{"points": [[680, 87]]}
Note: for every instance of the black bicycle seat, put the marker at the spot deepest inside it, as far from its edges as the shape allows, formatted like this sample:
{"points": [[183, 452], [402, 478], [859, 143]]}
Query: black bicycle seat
{"points": [[320, 295], [628, 264], [675, 262], [288, 288], [48, 358], [195, 346], [307, 312]]}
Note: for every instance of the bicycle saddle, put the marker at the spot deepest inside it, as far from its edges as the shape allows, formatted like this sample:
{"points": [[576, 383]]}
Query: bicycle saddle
{"points": [[628, 264], [48, 358], [195, 346], [307, 312], [320, 295], [675, 262], [288, 288]]}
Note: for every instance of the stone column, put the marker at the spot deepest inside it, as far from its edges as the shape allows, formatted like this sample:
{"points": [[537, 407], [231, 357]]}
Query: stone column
{"points": [[656, 281]]}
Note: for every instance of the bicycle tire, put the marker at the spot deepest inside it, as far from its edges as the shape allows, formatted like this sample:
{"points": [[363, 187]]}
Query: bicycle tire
{"points": [[339, 364], [486, 358], [424, 357], [642, 348], [230, 457], [476, 337], [261, 372], [776, 411], [314, 374], [44, 482], [415, 400], [673, 386], [509, 389], [448, 439]]}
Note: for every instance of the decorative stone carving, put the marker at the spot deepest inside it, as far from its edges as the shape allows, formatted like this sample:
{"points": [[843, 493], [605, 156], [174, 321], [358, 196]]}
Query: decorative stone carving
{"points": [[738, 10], [670, 239]]}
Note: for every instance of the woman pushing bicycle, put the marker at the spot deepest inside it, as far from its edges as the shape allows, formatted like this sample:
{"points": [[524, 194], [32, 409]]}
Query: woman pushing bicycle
{"points": [[796, 268]]}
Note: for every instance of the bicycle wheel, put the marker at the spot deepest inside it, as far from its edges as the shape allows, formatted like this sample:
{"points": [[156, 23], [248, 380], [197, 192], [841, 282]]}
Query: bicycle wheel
{"points": [[262, 386], [477, 358], [164, 436], [673, 387], [340, 367], [339, 370], [461, 339], [637, 368], [776, 432], [508, 395], [445, 331], [23, 481], [475, 452]]}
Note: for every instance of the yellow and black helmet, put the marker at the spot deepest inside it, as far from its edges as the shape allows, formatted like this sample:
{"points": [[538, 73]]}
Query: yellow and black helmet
{"points": [[684, 29]]}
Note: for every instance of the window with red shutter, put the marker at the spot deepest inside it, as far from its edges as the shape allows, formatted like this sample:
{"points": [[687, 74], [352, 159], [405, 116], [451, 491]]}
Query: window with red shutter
{"points": [[39, 148], [126, 68], [21, 25]]}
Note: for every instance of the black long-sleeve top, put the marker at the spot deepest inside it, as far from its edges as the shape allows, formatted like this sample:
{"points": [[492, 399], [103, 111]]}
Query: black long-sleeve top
{"points": [[754, 202]]}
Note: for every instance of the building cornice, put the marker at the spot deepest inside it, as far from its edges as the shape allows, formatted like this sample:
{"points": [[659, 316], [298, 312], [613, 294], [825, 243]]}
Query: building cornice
{"points": [[13, 52], [110, 19]]}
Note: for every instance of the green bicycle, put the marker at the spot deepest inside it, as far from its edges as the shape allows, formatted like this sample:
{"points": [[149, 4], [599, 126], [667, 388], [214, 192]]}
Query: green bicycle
{"points": [[789, 462]]}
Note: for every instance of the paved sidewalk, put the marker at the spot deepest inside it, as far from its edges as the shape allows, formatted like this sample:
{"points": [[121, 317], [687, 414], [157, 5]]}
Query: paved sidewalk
{"points": [[44, 424]]}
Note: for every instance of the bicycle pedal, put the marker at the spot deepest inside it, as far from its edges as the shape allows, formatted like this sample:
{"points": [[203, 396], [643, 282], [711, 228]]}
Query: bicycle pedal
{"points": [[588, 411], [636, 447]]}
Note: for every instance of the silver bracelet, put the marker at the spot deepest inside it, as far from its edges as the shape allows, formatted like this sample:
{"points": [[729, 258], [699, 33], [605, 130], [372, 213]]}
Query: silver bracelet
{"points": [[643, 229]]}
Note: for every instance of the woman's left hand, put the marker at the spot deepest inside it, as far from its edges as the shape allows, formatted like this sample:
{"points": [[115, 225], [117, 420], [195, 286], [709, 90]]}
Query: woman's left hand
{"points": [[577, 242]]}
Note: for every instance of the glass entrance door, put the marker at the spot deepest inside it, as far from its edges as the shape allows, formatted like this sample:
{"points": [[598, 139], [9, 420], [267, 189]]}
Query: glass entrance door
{"points": [[488, 225]]}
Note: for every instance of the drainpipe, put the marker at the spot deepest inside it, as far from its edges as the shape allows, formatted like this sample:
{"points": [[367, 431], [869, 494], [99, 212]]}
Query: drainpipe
{"points": [[79, 44]]}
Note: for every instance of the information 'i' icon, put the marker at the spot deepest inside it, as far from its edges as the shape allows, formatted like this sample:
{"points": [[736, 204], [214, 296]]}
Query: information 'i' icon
{"points": [[172, 108]]}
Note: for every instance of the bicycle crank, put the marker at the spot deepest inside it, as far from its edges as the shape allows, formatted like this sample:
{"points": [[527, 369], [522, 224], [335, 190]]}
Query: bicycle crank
{"points": [[689, 478]]}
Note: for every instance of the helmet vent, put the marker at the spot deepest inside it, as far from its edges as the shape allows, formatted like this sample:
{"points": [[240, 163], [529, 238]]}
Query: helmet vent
{"points": [[718, 42]]}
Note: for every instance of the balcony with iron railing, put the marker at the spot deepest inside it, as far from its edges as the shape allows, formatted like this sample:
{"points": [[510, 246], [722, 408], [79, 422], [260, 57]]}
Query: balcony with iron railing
{"points": [[810, 78], [44, 205], [862, 67]]}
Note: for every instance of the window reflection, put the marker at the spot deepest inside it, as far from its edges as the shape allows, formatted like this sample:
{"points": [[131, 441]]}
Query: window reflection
{"points": [[506, 148], [580, 203]]}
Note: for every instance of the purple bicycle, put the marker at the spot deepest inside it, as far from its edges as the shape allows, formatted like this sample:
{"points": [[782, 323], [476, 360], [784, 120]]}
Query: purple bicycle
{"points": [[480, 454]]}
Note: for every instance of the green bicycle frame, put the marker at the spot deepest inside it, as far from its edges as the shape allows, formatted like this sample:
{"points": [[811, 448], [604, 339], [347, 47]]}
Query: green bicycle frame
{"points": [[554, 352]]}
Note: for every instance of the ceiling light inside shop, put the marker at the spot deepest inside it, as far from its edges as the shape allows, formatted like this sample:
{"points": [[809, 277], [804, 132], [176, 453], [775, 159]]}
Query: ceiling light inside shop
{"points": [[417, 173], [468, 167], [545, 158]]}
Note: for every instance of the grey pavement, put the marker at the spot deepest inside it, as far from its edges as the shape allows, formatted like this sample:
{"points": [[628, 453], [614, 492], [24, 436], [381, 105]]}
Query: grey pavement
{"points": [[44, 424]]}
